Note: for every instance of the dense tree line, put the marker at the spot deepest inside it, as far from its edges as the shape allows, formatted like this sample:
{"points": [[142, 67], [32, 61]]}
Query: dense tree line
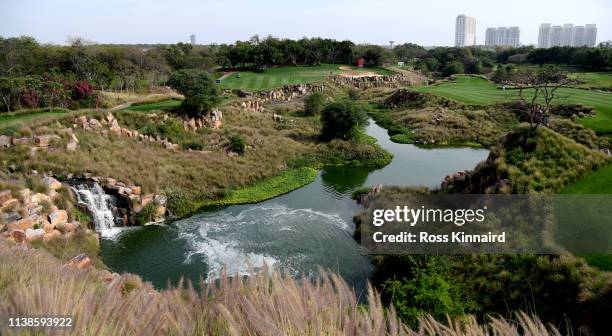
{"points": [[38, 75], [259, 53]]}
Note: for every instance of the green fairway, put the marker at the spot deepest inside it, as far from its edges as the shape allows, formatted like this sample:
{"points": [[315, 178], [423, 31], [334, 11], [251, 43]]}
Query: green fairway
{"points": [[163, 105], [277, 77], [598, 182], [12, 119], [598, 80], [475, 90]]}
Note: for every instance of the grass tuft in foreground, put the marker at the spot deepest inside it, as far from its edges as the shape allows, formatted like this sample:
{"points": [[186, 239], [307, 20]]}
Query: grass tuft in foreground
{"points": [[34, 283]]}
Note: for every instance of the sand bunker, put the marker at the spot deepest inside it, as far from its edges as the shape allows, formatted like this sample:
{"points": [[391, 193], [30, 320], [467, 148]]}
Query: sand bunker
{"points": [[350, 72]]}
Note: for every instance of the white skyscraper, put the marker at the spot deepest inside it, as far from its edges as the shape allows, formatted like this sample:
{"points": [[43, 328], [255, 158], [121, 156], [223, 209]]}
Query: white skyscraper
{"points": [[465, 31], [491, 37], [192, 39], [567, 35], [578, 36], [503, 37], [590, 35], [544, 35], [556, 34]]}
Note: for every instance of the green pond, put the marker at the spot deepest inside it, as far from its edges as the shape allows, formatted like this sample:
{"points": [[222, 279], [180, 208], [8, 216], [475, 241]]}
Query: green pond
{"points": [[299, 232]]}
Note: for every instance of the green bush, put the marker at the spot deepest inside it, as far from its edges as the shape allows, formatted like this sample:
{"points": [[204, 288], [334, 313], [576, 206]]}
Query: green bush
{"points": [[343, 120], [237, 144], [147, 214], [453, 68], [314, 104]]}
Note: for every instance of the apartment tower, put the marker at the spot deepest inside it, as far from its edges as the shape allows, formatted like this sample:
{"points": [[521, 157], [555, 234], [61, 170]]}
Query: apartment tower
{"points": [[465, 31]]}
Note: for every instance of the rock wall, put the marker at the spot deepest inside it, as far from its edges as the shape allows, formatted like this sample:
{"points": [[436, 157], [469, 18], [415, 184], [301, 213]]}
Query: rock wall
{"points": [[27, 216], [366, 82], [110, 125]]}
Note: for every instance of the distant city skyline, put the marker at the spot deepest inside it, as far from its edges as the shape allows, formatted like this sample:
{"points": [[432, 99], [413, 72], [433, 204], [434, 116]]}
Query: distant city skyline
{"points": [[567, 35], [427, 23]]}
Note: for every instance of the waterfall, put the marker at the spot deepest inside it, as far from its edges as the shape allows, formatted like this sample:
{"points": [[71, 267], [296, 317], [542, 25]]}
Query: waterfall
{"points": [[99, 204]]}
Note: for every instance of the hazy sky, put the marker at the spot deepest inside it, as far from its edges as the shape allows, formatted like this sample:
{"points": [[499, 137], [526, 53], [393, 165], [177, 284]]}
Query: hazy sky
{"points": [[426, 22]]}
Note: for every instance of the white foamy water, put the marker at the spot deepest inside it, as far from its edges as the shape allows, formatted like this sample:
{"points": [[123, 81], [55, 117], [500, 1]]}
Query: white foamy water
{"points": [[100, 206], [258, 238]]}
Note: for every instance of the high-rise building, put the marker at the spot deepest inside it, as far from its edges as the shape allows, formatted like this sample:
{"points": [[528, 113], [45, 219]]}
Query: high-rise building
{"points": [[578, 40], [465, 31], [192, 39], [503, 37], [556, 36], [491, 37], [544, 35], [590, 35], [567, 35]]}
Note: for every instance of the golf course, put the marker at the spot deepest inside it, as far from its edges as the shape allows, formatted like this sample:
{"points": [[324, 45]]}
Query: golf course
{"points": [[279, 76]]}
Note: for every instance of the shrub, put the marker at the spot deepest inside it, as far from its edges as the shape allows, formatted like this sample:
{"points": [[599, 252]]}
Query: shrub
{"points": [[237, 144], [314, 104], [147, 214], [452, 68], [342, 120], [201, 93]]}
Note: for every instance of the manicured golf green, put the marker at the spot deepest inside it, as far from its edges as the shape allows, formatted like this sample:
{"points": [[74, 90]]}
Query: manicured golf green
{"points": [[475, 90], [279, 76]]}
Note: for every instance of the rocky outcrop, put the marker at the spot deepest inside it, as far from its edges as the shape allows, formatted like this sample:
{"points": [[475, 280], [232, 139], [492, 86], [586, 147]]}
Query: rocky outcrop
{"points": [[211, 120], [27, 217], [366, 82], [109, 125]]}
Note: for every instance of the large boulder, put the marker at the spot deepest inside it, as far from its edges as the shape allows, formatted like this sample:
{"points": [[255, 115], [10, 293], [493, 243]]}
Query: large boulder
{"points": [[52, 235], [58, 217], [94, 124], [45, 140], [18, 236], [81, 261], [136, 190], [51, 183], [114, 127], [24, 223], [5, 195], [24, 195], [5, 141], [34, 234], [21, 141], [40, 198], [10, 203]]}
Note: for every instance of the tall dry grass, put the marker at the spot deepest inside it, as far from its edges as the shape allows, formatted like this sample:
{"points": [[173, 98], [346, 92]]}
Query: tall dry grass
{"points": [[34, 283]]}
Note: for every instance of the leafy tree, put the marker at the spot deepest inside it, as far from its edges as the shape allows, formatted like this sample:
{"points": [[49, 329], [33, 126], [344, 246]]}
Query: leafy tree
{"points": [[342, 120], [408, 51], [452, 68], [373, 56], [314, 104], [200, 91]]}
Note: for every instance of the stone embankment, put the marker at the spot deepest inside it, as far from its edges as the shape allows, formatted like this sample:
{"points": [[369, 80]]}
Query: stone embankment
{"points": [[109, 125], [366, 82], [255, 101], [27, 216]]}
